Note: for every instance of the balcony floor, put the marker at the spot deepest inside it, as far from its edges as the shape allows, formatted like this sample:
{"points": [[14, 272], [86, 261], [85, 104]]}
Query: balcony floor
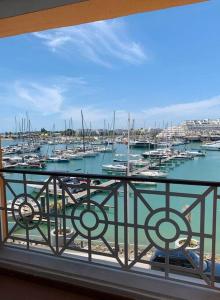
{"points": [[19, 286]]}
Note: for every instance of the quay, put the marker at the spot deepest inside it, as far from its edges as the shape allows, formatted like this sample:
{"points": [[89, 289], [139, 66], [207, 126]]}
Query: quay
{"points": [[77, 196], [82, 195]]}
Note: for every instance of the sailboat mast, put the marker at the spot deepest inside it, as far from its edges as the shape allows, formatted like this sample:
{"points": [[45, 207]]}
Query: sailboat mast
{"points": [[65, 134], [3, 198], [71, 122], [128, 149], [16, 127], [113, 131], [83, 132], [128, 174]]}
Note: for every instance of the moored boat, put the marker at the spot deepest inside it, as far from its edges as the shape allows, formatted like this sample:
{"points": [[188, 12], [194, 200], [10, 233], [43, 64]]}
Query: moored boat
{"points": [[211, 146], [149, 173], [114, 168]]}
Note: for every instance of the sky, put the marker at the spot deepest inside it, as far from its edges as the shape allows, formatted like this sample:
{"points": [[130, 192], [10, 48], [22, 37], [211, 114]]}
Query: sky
{"points": [[162, 67]]}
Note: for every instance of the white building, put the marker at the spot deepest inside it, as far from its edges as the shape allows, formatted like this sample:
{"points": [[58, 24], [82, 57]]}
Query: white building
{"points": [[202, 125], [204, 128]]}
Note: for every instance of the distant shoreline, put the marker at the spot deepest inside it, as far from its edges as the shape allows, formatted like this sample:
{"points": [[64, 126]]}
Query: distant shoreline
{"points": [[6, 139]]}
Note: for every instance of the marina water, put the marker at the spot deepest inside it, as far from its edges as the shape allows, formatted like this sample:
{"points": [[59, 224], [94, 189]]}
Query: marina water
{"points": [[200, 168]]}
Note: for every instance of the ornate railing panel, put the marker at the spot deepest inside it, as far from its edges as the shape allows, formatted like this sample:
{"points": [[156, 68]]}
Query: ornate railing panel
{"points": [[121, 222]]}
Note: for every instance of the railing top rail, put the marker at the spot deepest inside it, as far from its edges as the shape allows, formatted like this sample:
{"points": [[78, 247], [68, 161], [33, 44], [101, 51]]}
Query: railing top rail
{"points": [[113, 177]]}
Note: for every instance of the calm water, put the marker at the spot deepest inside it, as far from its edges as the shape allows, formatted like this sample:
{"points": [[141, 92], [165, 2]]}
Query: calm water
{"points": [[204, 168]]}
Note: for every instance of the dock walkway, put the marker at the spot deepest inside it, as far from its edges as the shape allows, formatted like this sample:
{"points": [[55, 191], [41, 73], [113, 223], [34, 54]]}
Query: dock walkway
{"points": [[94, 189], [156, 164]]}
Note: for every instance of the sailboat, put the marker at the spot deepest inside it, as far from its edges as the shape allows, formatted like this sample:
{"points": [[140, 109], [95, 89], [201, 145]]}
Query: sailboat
{"points": [[86, 153], [120, 168]]}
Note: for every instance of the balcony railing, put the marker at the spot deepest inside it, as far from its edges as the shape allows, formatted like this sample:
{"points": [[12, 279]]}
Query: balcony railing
{"points": [[116, 221]]}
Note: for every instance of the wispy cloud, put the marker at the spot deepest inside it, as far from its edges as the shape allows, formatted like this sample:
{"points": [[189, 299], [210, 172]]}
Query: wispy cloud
{"points": [[197, 109], [47, 100], [101, 42], [57, 99], [46, 97], [208, 108]]}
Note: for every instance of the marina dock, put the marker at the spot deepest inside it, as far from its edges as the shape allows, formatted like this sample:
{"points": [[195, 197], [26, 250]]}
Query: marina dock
{"points": [[82, 195], [77, 196]]}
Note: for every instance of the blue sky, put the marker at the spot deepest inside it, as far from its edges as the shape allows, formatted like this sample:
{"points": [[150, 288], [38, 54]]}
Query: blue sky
{"points": [[161, 66]]}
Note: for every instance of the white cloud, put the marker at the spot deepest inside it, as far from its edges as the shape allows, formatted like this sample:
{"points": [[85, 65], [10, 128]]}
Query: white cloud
{"points": [[100, 42], [197, 109], [45, 99], [208, 108], [60, 98]]}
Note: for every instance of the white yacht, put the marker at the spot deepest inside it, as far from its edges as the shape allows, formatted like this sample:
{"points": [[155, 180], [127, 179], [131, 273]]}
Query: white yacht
{"points": [[155, 154], [114, 168], [143, 144], [57, 159], [153, 174], [89, 153], [215, 146], [196, 153], [74, 156]]}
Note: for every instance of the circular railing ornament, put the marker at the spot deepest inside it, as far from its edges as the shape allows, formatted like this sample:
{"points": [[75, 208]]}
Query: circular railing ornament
{"points": [[91, 222], [24, 209], [172, 219]]}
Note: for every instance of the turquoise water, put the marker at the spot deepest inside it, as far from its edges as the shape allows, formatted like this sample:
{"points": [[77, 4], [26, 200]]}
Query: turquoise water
{"points": [[204, 168]]}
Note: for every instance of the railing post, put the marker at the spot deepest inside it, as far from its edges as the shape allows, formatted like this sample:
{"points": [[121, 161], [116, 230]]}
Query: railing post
{"points": [[3, 204]]}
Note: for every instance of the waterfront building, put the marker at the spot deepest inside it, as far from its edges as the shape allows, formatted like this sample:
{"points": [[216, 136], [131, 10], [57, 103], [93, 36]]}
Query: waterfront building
{"points": [[172, 132], [206, 125], [193, 129]]}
